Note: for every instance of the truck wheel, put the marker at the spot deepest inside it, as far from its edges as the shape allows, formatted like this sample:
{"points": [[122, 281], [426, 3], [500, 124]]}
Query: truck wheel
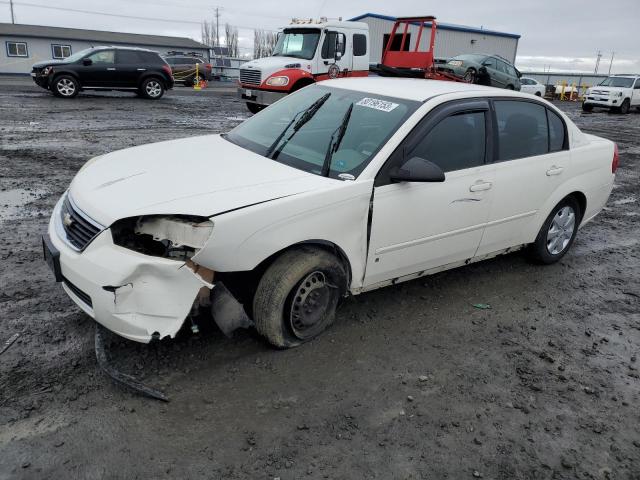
{"points": [[625, 107], [297, 296], [557, 232], [152, 88], [470, 76], [587, 108], [65, 86], [254, 107]]}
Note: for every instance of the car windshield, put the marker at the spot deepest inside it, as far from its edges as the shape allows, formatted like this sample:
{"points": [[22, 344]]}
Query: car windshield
{"points": [[617, 82], [370, 123], [78, 55], [298, 42]]}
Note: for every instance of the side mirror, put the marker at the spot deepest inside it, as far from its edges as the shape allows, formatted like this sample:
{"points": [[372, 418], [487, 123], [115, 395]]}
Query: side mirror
{"points": [[338, 54], [86, 62], [518, 73], [417, 169]]}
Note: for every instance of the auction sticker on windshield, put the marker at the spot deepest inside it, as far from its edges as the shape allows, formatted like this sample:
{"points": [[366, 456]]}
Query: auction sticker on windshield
{"points": [[377, 104]]}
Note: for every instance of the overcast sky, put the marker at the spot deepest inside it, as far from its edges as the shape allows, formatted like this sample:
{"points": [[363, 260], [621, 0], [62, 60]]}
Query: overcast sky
{"points": [[562, 35]]}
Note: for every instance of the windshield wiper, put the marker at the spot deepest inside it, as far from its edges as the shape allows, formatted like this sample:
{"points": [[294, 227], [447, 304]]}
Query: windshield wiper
{"points": [[305, 115], [334, 142]]}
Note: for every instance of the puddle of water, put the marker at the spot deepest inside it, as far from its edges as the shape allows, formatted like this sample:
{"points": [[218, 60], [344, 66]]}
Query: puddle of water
{"points": [[624, 201], [13, 201]]}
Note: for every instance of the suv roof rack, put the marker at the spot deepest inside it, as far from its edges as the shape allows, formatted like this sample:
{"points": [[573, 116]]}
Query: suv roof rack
{"points": [[186, 54]]}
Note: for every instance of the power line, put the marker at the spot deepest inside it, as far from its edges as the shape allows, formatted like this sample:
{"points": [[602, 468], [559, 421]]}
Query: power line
{"points": [[116, 15]]}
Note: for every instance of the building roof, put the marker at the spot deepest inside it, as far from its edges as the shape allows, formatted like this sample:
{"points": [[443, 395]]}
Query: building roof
{"points": [[412, 88], [100, 37], [444, 26]]}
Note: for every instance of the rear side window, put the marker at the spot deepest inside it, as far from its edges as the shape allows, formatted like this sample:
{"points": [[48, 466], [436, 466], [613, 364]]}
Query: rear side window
{"points": [[522, 129], [359, 44], [456, 143], [556, 132], [128, 57]]}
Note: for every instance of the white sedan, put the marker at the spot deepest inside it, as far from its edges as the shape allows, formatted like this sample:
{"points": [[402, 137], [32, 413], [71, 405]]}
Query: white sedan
{"points": [[532, 86], [341, 188]]}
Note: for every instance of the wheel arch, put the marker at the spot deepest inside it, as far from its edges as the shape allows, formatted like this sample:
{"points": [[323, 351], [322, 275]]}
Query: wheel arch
{"points": [[148, 75], [301, 83], [70, 73]]}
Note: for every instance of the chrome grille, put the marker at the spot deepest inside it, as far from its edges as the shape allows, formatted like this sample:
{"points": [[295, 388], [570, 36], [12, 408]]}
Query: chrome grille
{"points": [[602, 93], [251, 77], [78, 229]]}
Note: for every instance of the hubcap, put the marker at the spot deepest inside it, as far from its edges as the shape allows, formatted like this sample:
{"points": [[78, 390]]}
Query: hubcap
{"points": [[153, 88], [66, 87], [309, 305], [561, 230]]}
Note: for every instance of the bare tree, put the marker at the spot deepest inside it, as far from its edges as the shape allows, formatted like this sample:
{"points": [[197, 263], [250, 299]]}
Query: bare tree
{"points": [[263, 43], [209, 33], [231, 40]]}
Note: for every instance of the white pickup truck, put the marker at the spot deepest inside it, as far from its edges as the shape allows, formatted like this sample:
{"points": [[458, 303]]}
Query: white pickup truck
{"points": [[618, 93], [343, 187]]}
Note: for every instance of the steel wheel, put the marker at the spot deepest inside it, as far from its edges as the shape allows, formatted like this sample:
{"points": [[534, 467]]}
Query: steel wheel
{"points": [[561, 230], [153, 89], [309, 305], [470, 76], [66, 87]]}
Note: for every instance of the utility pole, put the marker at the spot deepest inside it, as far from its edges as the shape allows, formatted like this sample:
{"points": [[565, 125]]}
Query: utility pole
{"points": [[13, 20], [611, 62], [217, 27], [598, 61]]}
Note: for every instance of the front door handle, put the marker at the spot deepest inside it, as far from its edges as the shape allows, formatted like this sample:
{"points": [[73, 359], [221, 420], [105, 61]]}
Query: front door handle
{"points": [[554, 170], [480, 186], [141, 69], [110, 68]]}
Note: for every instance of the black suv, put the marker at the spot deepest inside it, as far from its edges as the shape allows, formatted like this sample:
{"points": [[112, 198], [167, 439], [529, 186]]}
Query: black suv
{"points": [[106, 68]]}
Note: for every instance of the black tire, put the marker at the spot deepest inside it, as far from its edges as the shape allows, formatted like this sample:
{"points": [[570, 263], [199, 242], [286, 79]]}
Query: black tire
{"points": [[152, 88], [587, 108], [543, 250], [65, 86], [297, 296], [625, 107], [470, 76], [254, 107], [538, 94], [510, 87]]}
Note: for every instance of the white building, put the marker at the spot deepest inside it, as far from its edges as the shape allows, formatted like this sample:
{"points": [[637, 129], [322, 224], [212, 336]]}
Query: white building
{"points": [[23, 45], [451, 40]]}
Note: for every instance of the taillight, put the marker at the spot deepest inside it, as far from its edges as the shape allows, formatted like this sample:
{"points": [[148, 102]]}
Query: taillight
{"points": [[616, 159], [167, 69]]}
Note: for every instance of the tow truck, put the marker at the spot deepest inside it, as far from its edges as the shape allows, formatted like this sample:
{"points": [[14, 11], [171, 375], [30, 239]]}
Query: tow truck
{"points": [[309, 51]]}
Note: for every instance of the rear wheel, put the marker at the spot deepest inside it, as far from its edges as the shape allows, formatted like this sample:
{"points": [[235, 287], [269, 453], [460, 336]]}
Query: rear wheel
{"points": [[65, 86], [538, 94], [587, 108], [297, 296], [557, 232], [254, 107], [152, 88]]}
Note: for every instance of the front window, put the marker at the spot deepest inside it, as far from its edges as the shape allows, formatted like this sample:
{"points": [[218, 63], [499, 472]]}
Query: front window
{"points": [[620, 82], [103, 57], [297, 42], [369, 121], [78, 55]]}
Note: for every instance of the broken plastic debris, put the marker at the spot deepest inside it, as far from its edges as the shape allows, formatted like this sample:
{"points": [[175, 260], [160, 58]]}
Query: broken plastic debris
{"points": [[482, 306], [9, 342]]}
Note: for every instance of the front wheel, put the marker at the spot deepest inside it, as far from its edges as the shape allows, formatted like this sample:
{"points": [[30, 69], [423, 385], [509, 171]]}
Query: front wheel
{"points": [[510, 87], [297, 296], [538, 94], [254, 107], [152, 88], [587, 108], [470, 76], [625, 107], [65, 86], [557, 232]]}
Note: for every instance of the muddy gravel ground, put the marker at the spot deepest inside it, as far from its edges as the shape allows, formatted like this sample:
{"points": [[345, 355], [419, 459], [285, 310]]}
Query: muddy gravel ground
{"points": [[411, 382]]}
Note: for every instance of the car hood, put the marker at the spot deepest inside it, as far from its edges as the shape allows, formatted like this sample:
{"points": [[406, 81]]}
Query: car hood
{"points": [[203, 176], [49, 62], [607, 89]]}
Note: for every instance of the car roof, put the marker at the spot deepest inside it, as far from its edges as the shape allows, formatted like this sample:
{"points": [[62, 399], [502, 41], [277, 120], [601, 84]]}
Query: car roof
{"points": [[411, 88], [103, 47]]}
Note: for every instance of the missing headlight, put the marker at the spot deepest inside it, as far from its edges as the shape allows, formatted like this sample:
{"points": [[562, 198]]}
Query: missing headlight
{"points": [[169, 236]]}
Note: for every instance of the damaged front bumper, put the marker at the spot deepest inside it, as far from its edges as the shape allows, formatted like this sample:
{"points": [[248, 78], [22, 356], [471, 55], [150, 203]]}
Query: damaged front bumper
{"points": [[137, 296]]}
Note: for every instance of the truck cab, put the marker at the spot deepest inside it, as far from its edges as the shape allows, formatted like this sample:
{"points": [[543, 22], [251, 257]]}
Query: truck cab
{"points": [[306, 52]]}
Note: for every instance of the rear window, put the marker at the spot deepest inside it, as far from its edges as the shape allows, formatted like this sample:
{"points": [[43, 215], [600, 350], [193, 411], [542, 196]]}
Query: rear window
{"points": [[359, 45]]}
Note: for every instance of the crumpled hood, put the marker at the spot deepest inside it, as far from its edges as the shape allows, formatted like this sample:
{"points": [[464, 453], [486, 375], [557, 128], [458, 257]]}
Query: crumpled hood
{"points": [[203, 176], [49, 62]]}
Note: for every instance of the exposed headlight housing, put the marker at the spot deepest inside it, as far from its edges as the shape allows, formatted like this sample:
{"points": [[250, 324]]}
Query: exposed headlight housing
{"points": [[280, 81], [170, 236], [47, 70]]}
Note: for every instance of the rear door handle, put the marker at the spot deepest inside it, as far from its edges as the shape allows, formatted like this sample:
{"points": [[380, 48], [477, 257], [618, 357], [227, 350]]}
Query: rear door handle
{"points": [[141, 69], [110, 68], [480, 186], [554, 171]]}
